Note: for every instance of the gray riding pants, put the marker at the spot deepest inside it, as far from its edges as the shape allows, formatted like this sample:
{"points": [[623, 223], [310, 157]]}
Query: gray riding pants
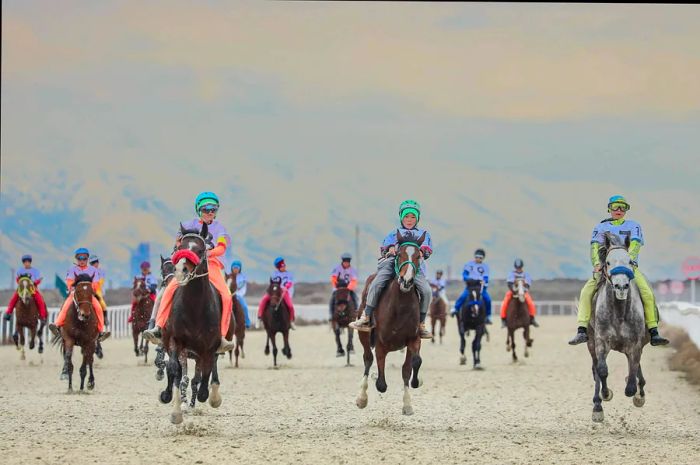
{"points": [[385, 273]]}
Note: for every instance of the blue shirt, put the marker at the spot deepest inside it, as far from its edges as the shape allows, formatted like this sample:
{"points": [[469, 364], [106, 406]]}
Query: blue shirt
{"points": [[32, 272], [478, 271], [627, 229], [241, 284], [513, 275]]}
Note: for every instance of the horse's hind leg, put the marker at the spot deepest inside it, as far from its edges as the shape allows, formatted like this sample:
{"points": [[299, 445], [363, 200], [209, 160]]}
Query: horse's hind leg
{"points": [[462, 345], [160, 362], [442, 328], [267, 345], [196, 381], [339, 352], [368, 359], [22, 356], [286, 350], [350, 347], [68, 365], [639, 398], [476, 347], [83, 371], [432, 328], [32, 336], [511, 338], [40, 333], [528, 343], [145, 350]]}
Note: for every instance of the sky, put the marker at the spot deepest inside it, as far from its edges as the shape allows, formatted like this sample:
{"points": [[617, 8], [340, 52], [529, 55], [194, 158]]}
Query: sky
{"points": [[511, 123]]}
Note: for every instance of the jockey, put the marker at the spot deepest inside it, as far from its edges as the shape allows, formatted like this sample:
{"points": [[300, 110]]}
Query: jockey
{"points": [[477, 270], [409, 215], [36, 277], [344, 273], [151, 284], [99, 289], [81, 267], [439, 285], [518, 273], [241, 287], [206, 205], [625, 230], [286, 279]]}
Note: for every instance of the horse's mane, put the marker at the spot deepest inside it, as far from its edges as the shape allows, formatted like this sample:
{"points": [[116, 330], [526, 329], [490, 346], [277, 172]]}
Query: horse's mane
{"points": [[473, 283]]}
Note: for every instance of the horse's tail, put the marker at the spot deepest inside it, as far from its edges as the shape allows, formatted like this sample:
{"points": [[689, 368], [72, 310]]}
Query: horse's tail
{"points": [[56, 340]]}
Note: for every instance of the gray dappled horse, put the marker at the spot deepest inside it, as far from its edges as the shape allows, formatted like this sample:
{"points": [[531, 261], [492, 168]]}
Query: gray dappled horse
{"points": [[617, 323]]}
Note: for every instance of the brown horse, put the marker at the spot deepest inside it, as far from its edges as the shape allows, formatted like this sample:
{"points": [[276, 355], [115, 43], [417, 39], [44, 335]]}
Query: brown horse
{"points": [[80, 329], [276, 320], [26, 317], [344, 311], [397, 317], [438, 313], [237, 329], [517, 317], [142, 312]]}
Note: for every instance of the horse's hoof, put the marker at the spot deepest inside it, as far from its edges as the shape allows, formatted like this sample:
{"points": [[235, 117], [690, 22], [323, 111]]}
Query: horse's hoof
{"points": [[407, 410], [41, 349], [361, 402], [609, 397], [176, 418], [165, 397], [598, 417], [23, 356], [477, 366], [18, 348], [215, 402], [340, 353], [463, 360], [638, 400], [267, 351], [160, 375], [527, 354], [90, 386]]}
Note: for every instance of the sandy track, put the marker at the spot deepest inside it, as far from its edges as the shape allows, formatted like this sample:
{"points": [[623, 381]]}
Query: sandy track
{"points": [[534, 412]]}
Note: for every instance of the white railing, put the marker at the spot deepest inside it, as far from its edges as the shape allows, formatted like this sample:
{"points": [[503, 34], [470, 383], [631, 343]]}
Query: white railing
{"points": [[683, 315]]}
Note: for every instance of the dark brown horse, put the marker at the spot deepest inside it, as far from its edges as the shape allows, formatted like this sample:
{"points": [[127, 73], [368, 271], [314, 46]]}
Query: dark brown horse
{"points": [[167, 272], [237, 329], [193, 326], [517, 317], [397, 317], [26, 317], [276, 320], [438, 313], [80, 329], [142, 313], [344, 311]]}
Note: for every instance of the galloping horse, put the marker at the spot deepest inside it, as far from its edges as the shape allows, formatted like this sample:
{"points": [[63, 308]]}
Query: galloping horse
{"points": [[617, 323], [438, 312], [472, 316], [142, 312], [276, 320], [239, 319], [397, 317], [517, 316], [26, 316], [344, 312], [80, 329], [167, 272], [193, 326]]}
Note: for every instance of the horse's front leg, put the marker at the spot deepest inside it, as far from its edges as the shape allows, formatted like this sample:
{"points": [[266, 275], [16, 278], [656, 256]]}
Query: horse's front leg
{"points": [[32, 336], [639, 398], [511, 338], [68, 364], [350, 347], [406, 370], [602, 351], [380, 352], [633, 368], [339, 352], [83, 369], [175, 375], [526, 336], [135, 337], [215, 398], [23, 355], [196, 381], [207, 361], [476, 347], [40, 334], [287, 350], [597, 415], [184, 380], [90, 356], [368, 359]]}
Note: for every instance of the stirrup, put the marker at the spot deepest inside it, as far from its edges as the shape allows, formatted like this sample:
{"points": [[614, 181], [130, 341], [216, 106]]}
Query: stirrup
{"points": [[362, 324], [153, 335], [579, 339], [424, 333], [225, 345]]}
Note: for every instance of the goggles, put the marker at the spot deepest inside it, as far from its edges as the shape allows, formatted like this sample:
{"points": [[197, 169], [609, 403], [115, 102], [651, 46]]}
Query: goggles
{"points": [[81, 258], [209, 209], [618, 206]]}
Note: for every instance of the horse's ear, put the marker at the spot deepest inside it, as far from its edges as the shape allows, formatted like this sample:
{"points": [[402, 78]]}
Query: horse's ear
{"points": [[162, 260], [627, 242], [205, 231], [607, 240], [182, 230], [421, 238], [399, 237]]}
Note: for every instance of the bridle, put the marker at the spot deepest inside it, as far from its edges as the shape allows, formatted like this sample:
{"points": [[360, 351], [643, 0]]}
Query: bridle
{"points": [[627, 271], [192, 275], [77, 302], [398, 266]]}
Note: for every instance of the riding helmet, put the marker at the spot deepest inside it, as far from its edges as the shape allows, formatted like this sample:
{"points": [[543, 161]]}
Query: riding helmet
{"points": [[409, 206], [81, 251], [26, 257], [205, 198], [518, 263], [346, 257], [237, 263], [278, 261], [479, 253], [93, 259]]}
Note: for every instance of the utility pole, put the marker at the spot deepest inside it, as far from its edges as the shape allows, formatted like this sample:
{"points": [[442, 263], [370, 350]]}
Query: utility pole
{"points": [[357, 249]]}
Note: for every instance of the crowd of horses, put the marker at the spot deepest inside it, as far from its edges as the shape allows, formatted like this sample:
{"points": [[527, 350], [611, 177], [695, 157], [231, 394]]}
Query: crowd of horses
{"points": [[193, 330]]}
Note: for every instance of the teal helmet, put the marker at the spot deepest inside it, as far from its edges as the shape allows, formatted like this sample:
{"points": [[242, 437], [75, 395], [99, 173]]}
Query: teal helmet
{"points": [[409, 206], [237, 263], [618, 199], [205, 198]]}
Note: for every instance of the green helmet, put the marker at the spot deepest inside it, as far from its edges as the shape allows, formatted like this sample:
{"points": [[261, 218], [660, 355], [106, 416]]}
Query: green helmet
{"points": [[409, 206]]}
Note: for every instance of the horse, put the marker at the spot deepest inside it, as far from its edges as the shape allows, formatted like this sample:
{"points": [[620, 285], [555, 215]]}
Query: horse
{"points": [[80, 329], [167, 272], [397, 317], [26, 316], [472, 316], [517, 317], [344, 312], [142, 312], [193, 326], [438, 312], [239, 319], [617, 323], [276, 320]]}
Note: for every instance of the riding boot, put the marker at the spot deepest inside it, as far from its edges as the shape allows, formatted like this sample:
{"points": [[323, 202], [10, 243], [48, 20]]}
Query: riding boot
{"points": [[363, 323], [657, 340], [103, 335], [581, 336], [151, 324], [533, 322], [153, 335], [503, 323], [7, 316], [424, 333], [225, 346]]}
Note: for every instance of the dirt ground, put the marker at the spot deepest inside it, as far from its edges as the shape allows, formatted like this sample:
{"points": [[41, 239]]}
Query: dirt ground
{"points": [[536, 411]]}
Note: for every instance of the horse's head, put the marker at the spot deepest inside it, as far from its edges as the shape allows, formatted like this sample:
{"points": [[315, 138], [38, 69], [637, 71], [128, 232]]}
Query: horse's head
{"points": [[231, 283], [408, 260], [82, 296], [25, 289], [519, 288], [139, 289], [342, 298], [191, 255], [474, 287], [167, 270], [274, 290], [618, 265]]}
